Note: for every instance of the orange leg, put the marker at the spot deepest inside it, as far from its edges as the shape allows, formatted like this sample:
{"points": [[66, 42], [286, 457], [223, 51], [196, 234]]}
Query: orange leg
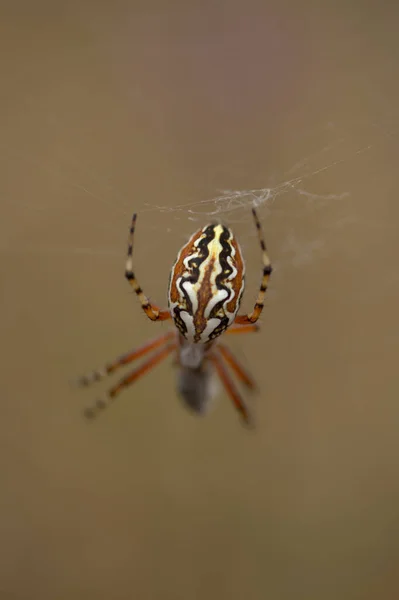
{"points": [[230, 388], [249, 328], [231, 360], [267, 271], [153, 312], [149, 364], [125, 359]]}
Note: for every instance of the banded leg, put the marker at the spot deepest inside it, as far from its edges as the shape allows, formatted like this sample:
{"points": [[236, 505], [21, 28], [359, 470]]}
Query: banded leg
{"points": [[230, 388], [149, 364], [267, 270], [125, 359], [238, 369], [152, 311]]}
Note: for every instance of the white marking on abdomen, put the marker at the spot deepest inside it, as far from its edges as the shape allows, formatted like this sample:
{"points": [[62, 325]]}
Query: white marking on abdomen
{"points": [[218, 297], [210, 327], [189, 323], [192, 294]]}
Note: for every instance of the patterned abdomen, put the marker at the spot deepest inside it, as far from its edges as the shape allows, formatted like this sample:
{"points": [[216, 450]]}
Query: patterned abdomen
{"points": [[206, 284]]}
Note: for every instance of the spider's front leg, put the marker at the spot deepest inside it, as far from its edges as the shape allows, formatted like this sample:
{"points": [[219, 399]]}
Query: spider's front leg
{"points": [[267, 271], [152, 311]]}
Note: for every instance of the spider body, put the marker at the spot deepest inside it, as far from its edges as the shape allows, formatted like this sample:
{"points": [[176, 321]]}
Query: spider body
{"points": [[196, 386], [206, 285]]}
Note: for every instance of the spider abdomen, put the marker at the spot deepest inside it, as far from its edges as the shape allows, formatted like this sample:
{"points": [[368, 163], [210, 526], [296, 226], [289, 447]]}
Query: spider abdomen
{"points": [[206, 284]]}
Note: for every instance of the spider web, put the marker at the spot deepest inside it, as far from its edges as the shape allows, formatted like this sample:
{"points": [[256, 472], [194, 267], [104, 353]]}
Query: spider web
{"points": [[313, 184], [230, 205]]}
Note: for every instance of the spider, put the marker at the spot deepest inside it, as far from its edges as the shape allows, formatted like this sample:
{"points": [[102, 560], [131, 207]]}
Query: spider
{"points": [[206, 285]]}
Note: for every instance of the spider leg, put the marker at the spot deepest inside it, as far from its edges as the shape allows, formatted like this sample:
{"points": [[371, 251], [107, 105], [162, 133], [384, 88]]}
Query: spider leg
{"points": [[230, 388], [152, 311], [149, 364], [236, 367], [125, 359], [250, 327], [267, 270]]}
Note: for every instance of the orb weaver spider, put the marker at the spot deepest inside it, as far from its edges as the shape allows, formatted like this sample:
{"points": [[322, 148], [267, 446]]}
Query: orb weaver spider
{"points": [[206, 285]]}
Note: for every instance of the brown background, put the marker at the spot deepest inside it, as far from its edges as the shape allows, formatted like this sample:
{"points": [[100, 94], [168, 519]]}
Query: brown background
{"points": [[110, 107]]}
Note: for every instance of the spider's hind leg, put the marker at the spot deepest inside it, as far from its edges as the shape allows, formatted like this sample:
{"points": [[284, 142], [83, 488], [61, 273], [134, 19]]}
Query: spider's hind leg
{"points": [[231, 389], [149, 364], [125, 359], [243, 375]]}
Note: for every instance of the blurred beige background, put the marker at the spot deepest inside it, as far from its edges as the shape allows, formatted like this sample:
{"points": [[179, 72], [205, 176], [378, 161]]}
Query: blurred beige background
{"points": [[112, 107]]}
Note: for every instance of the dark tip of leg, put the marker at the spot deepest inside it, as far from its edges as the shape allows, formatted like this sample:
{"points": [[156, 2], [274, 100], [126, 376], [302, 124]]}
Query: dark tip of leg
{"points": [[250, 425], [89, 414], [248, 421], [79, 382]]}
